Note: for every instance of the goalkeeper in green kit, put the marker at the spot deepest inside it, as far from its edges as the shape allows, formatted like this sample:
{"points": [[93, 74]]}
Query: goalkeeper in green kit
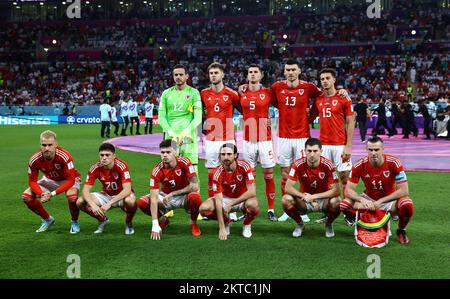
{"points": [[180, 114]]}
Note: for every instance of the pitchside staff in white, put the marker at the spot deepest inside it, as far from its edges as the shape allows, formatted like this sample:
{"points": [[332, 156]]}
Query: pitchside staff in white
{"points": [[105, 118], [124, 114], [148, 115], [133, 114], [114, 121]]}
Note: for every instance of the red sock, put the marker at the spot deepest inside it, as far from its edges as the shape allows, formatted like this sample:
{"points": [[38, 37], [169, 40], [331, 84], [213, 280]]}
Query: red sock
{"points": [[211, 172], [347, 209], [405, 211], [89, 211], [283, 185], [194, 201], [130, 212], [213, 216], [74, 210], [144, 204], [270, 189], [250, 214], [35, 205], [210, 215], [332, 214], [292, 211]]}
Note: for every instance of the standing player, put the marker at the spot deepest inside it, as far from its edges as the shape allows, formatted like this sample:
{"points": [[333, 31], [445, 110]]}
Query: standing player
{"points": [[134, 116], [114, 121], [234, 190], [255, 103], [105, 118], [124, 114], [60, 176], [219, 102], [148, 108], [115, 177], [319, 188], [386, 187], [180, 114], [337, 125], [179, 190]]}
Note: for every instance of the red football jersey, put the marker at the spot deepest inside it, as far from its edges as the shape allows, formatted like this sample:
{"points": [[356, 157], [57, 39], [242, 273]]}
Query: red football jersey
{"points": [[219, 113], [332, 113], [233, 184], [61, 168], [111, 179], [293, 104], [314, 180], [379, 181], [172, 179], [255, 111]]}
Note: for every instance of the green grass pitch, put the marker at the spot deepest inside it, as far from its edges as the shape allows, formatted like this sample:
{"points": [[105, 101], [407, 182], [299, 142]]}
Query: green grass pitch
{"points": [[271, 252]]}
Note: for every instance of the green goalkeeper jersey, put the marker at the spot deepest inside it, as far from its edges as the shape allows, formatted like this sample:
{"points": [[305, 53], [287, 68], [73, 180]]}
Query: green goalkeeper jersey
{"points": [[181, 110]]}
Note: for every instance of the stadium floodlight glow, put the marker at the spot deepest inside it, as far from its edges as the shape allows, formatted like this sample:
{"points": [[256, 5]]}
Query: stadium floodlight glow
{"points": [[99, 6], [87, 2], [413, 32], [41, 3], [64, 3], [14, 3]]}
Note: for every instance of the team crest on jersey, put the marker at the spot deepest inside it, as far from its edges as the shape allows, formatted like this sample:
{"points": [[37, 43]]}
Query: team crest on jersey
{"points": [[239, 177], [178, 172], [386, 173], [262, 96], [321, 175], [334, 102], [58, 166], [225, 98], [188, 97], [115, 175], [301, 91]]}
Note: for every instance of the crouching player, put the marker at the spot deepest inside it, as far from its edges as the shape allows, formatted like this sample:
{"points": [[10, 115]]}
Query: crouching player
{"points": [[179, 190], [60, 176], [319, 188], [234, 190], [386, 187], [115, 177]]}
